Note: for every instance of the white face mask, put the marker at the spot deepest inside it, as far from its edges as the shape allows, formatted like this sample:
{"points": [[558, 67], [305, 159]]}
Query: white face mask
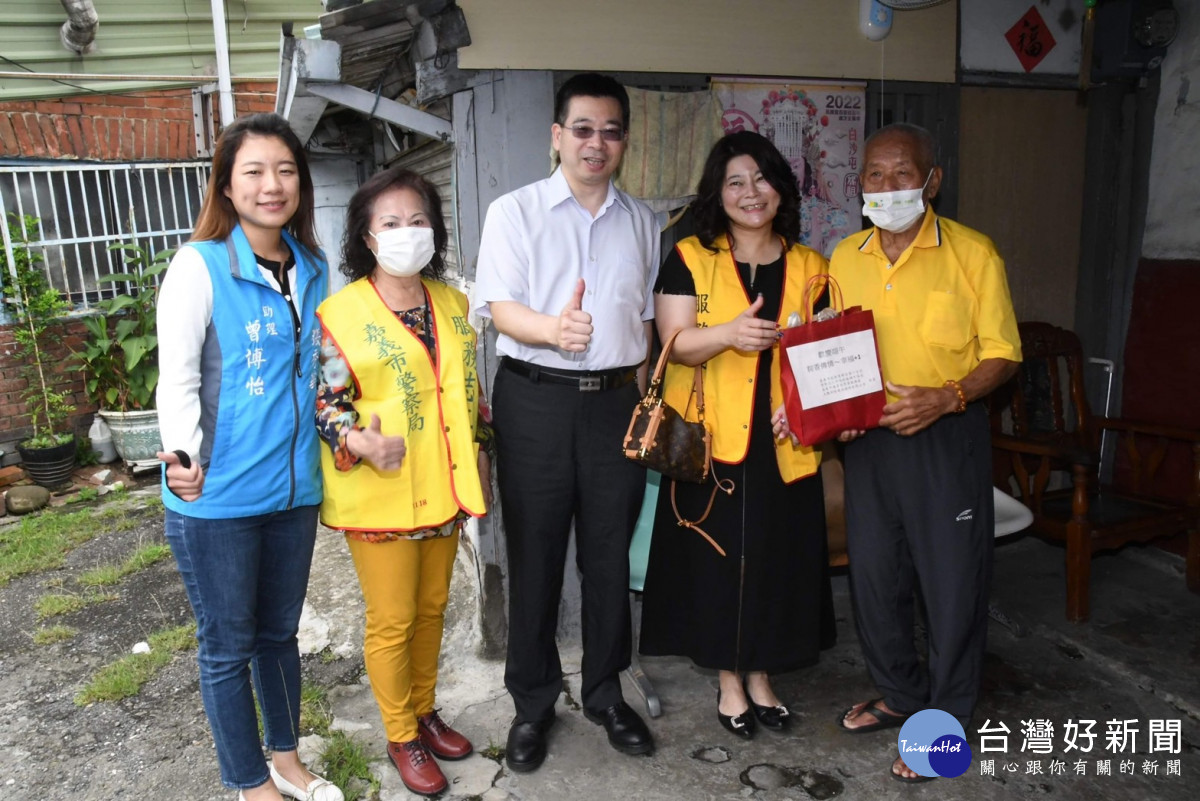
{"points": [[895, 211], [403, 251]]}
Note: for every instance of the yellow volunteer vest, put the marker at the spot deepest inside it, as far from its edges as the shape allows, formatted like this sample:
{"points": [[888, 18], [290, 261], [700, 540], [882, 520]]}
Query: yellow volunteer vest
{"points": [[434, 408], [730, 376]]}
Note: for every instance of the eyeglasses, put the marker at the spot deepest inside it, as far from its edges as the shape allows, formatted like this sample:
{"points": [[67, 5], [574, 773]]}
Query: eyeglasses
{"points": [[587, 132]]}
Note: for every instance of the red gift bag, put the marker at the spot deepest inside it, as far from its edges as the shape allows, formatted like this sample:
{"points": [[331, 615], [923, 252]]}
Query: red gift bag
{"points": [[832, 381]]}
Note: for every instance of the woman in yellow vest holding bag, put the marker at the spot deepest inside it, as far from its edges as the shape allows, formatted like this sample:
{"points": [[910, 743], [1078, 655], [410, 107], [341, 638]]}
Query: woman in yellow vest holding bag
{"points": [[766, 606], [398, 410]]}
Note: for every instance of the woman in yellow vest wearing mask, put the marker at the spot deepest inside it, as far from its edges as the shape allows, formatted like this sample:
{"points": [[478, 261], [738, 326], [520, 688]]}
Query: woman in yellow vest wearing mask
{"points": [[766, 606], [398, 411]]}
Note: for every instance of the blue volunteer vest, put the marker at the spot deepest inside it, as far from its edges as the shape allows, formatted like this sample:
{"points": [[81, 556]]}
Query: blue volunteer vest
{"points": [[258, 385]]}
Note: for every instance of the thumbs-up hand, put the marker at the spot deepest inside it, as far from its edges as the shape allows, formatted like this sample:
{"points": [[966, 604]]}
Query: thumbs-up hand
{"points": [[185, 482], [373, 446], [574, 324], [749, 332]]}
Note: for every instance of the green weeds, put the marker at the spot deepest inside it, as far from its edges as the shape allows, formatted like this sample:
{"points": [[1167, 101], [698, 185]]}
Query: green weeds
{"points": [[346, 762], [47, 635], [54, 604], [142, 558], [315, 711], [125, 677], [84, 495], [41, 542], [348, 766]]}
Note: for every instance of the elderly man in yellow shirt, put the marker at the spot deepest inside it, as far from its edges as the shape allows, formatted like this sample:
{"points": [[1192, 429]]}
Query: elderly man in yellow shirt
{"points": [[918, 488]]}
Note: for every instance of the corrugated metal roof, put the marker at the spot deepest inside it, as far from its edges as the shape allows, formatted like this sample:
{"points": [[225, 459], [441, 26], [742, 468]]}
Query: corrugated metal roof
{"points": [[143, 37]]}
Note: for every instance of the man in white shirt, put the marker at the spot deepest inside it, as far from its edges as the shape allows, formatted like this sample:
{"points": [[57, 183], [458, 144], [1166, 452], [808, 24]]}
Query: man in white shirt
{"points": [[566, 271]]}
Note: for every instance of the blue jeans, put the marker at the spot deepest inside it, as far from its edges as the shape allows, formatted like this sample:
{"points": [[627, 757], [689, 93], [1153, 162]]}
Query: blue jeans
{"points": [[246, 578]]}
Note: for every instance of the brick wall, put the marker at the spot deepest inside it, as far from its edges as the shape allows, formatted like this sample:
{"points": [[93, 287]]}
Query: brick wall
{"points": [[141, 125], [14, 425]]}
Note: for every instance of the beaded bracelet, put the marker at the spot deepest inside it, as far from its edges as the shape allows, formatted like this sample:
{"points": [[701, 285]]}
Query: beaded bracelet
{"points": [[962, 396]]}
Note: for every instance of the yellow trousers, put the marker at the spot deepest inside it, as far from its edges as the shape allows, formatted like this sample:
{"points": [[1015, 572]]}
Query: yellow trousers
{"points": [[405, 584]]}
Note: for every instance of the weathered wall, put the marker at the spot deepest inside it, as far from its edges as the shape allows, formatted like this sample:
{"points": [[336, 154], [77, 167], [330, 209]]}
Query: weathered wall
{"points": [[1031, 213], [143, 125], [814, 38], [1174, 207], [333, 186], [502, 138]]}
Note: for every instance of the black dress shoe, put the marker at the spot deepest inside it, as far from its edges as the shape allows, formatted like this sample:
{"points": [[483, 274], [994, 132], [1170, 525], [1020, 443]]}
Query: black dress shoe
{"points": [[738, 725], [526, 749], [775, 718], [626, 731]]}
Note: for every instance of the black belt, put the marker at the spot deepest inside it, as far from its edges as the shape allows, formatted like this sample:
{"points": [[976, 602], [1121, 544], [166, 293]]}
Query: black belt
{"points": [[581, 380]]}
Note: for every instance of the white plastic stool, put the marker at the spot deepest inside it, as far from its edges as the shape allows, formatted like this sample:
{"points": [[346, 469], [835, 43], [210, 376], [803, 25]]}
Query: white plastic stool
{"points": [[1011, 515]]}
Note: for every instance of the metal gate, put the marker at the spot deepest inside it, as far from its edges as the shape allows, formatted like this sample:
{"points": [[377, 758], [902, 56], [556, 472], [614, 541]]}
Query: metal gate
{"points": [[81, 209]]}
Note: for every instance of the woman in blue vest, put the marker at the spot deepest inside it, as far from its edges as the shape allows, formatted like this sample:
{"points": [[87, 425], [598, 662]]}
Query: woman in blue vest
{"points": [[238, 339], [398, 409], [758, 610]]}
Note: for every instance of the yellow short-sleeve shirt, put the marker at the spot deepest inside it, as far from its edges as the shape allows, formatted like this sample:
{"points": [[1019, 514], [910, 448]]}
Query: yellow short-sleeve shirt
{"points": [[941, 309]]}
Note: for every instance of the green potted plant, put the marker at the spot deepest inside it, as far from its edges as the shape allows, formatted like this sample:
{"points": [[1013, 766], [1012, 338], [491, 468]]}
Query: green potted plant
{"points": [[120, 356], [36, 308]]}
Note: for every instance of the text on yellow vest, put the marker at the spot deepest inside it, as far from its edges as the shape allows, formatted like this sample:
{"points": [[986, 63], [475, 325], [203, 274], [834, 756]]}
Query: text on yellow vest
{"points": [[730, 376], [434, 406]]}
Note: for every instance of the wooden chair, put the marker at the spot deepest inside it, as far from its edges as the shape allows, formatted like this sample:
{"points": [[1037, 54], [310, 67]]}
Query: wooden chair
{"points": [[1042, 424]]}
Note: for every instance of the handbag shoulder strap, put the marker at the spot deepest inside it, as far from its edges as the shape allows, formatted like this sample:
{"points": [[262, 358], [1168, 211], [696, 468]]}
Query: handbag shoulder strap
{"points": [[724, 485], [661, 368], [655, 389]]}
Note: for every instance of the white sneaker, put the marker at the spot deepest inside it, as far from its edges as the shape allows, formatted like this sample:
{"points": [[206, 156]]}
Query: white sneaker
{"points": [[318, 789]]}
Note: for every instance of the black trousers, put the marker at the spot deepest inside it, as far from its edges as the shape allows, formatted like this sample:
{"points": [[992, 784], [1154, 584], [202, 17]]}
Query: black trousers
{"points": [[560, 460], [920, 513]]}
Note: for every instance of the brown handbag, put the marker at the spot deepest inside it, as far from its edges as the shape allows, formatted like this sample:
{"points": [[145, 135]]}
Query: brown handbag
{"points": [[660, 439], [658, 436]]}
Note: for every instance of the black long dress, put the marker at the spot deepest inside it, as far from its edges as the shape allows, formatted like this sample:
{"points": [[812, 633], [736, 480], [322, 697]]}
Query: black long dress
{"points": [[767, 604]]}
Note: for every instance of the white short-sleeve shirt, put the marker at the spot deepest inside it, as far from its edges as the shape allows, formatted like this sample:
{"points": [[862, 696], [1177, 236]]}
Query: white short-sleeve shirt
{"points": [[538, 241]]}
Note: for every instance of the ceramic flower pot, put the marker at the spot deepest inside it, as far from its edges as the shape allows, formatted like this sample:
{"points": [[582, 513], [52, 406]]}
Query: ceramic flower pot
{"points": [[134, 434]]}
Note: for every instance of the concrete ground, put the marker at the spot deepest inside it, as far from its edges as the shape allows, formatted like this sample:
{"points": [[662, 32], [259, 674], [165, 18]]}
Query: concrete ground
{"points": [[1137, 660]]}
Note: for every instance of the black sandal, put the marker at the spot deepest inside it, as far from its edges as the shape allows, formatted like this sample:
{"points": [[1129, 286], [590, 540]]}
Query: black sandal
{"points": [[884, 720]]}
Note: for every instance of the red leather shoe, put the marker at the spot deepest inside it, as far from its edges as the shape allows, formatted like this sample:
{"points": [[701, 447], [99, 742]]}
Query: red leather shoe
{"points": [[420, 774], [443, 741]]}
